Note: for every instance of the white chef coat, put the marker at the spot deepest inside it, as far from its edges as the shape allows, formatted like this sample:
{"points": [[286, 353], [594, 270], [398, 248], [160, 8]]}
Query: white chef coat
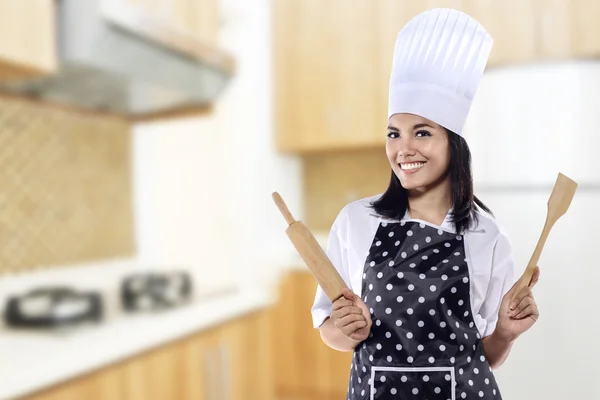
{"points": [[487, 248]]}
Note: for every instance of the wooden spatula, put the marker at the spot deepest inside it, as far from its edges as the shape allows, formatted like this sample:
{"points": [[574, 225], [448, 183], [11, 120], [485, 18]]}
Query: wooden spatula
{"points": [[558, 204], [312, 253]]}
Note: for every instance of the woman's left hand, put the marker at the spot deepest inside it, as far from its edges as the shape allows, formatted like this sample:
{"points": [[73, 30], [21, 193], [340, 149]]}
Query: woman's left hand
{"points": [[516, 317]]}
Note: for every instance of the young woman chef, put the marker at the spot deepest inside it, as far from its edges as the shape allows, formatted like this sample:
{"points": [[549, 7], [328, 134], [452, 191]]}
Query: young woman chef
{"points": [[428, 315]]}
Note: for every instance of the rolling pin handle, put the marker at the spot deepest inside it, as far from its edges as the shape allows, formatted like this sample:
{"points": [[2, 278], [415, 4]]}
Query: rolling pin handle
{"points": [[283, 208]]}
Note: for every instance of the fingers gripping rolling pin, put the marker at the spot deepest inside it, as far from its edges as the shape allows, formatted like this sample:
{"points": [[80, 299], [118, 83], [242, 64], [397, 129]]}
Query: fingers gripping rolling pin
{"points": [[311, 252], [558, 204]]}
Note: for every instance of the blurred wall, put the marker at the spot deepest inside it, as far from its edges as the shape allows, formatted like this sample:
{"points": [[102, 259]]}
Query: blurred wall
{"points": [[203, 185]]}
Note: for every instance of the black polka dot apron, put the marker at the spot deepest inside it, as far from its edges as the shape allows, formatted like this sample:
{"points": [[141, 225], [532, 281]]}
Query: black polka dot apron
{"points": [[423, 343]]}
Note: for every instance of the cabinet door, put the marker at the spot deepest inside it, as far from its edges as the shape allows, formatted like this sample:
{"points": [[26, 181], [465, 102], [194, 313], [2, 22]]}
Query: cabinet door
{"points": [[326, 74], [27, 43], [201, 376], [554, 29], [585, 29], [513, 24]]}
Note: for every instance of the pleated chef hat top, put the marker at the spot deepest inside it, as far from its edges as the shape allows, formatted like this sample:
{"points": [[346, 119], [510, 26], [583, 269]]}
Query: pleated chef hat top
{"points": [[439, 58]]}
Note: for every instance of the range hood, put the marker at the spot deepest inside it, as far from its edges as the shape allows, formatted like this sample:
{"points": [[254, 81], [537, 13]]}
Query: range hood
{"points": [[116, 58]]}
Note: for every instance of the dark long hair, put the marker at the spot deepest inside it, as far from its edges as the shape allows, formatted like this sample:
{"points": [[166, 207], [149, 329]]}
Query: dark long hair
{"points": [[394, 201]]}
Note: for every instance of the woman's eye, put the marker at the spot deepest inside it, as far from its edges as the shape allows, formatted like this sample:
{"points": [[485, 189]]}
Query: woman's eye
{"points": [[422, 133], [393, 135]]}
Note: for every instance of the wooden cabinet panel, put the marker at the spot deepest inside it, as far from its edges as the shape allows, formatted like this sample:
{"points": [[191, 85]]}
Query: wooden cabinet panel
{"points": [[585, 30], [27, 43], [305, 368]]}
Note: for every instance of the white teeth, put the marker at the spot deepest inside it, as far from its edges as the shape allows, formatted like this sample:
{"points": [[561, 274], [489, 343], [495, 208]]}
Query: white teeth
{"points": [[411, 165]]}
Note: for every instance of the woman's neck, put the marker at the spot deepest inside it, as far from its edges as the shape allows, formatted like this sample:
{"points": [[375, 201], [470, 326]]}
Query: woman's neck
{"points": [[432, 204]]}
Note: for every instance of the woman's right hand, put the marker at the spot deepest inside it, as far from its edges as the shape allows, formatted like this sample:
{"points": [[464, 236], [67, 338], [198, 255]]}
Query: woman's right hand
{"points": [[351, 316]]}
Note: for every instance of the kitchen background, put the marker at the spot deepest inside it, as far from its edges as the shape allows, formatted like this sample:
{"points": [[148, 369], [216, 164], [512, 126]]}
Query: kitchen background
{"points": [[140, 142]]}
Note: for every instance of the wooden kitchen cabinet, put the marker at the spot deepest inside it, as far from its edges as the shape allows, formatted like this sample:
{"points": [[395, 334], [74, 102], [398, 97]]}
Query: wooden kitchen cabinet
{"points": [[27, 42], [229, 362], [305, 368]]}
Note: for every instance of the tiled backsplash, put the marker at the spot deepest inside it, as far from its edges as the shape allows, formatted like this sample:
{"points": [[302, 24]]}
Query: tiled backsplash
{"points": [[65, 187]]}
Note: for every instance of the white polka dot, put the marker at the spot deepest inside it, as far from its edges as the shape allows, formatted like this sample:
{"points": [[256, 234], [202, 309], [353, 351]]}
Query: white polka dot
{"points": [[460, 371], [397, 243], [402, 223], [378, 299], [389, 286], [421, 299], [465, 279], [437, 390], [457, 254], [371, 358], [436, 251], [385, 253], [458, 237], [471, 325], [448, 377], [380, 275], [409, 311], [432, 312], [388, 335], [416, 247], [476, 370], [399, 299], [424, 257], [393, 391], [431, 360], [364, 369], [494, 391], [420, 347], [434, 268], [445, 261], [447, 244], [466, 336], [466, 313], [371, 286], [453, 290], [442, 324], [480, 393], [410, 360], [468, 359], [452, 360], [463, 395], [462, 347], [364, 276], [388, 310], [378, 346], [457, 324], [456, 268], [409, 335], [398, 347], [442, 300], [371, 311], [391, 234], [378, 323], [444, 277], [365, 300], [391, 263], [422, 225], [432, 288], [404, 378], [362, 393], [470, 382], [400, 275], [482, 358], [378, 243], [421, 324], [382, 379], [487, 381], [461, 302], [452, 336], [372, 263], [403, 254], [422, 276], [478, 335], [398, 323], [442, 347], [352, 390], [449, 313], [411, 287], [415, 391], [428, 239], [409, 233], [412, 265], [425, 378], [440, 232], [431, 336]]}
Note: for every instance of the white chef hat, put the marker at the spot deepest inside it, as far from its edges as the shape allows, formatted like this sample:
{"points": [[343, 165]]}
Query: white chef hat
{"points": [[439, 58]]}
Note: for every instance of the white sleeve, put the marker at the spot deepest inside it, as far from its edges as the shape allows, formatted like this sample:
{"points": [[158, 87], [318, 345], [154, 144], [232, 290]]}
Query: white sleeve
{"points": [[502, 279], [336, 251]]}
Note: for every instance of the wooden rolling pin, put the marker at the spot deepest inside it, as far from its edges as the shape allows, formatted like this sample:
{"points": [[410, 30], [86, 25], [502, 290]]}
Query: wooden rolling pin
{"points": [[311, 252], [558, 204]]}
